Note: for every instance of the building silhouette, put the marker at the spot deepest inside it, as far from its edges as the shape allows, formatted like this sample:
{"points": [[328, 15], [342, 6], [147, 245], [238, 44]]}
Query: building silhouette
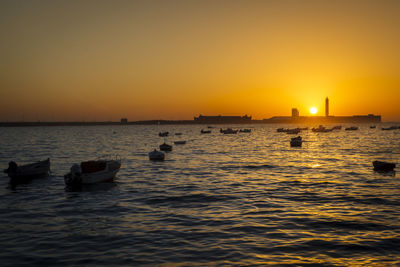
{"points": [[295, 113], [222, 119]]}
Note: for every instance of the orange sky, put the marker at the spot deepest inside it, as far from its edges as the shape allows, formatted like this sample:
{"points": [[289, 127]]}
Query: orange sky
{"points": [[103, 60]]}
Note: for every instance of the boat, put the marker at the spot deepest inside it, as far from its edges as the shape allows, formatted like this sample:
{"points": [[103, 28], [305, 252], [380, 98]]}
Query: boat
{"points": [[178, 133], [321, 129], [179, 142], [229, 131], [383, 166], [372, 127], [28, 171], [156, 155], [390, 128], [280, 130], [245, 131], [205, 131], [339, 127], [352, 128], [92, 172], [163, 134], [296, 141], [165, 147], [293, 131]]}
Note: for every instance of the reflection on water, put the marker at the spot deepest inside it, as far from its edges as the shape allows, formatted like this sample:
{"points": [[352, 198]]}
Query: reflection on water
{"points": [[219, 199]]}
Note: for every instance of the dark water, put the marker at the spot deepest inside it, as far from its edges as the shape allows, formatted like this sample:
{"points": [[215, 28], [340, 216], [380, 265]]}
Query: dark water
{"points": [[240, 199]]}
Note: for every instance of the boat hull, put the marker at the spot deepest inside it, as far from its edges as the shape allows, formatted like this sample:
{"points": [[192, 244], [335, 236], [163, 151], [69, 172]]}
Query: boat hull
{"points": [[106, 175], [383, 166], [28, 171]]}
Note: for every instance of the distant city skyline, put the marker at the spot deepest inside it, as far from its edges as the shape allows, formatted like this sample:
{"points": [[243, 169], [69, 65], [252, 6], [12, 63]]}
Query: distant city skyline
{"points": [[142, 60]]}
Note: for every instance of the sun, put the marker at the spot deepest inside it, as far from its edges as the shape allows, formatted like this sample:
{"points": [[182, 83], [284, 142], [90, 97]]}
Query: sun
{"points": [[313, 110]]}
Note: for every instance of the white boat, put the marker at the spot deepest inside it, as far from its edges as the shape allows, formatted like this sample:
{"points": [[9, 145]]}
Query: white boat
{"points": [[296, 142], [156, 155], [92, 172], [28, 171]]}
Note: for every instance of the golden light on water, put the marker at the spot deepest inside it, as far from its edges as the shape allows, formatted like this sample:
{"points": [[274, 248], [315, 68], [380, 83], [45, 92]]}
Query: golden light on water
{"points": [[313, 110]]}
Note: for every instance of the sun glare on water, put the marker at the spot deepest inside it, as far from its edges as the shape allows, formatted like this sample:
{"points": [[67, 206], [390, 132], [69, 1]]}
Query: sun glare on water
{"points": [[313, 110]]}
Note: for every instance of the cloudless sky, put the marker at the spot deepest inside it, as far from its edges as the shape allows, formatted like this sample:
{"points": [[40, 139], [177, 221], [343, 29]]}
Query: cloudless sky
{"points": [[103, 60]]}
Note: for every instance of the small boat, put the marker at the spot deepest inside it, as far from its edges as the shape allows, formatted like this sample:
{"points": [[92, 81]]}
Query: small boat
{"points": [[205, 131], [339, 127], [179, 142], [210, 127], [92, 172], [280, 130], [178, 133], [165, 147], [296, 141], [293, 131], [372, 127], [245, 131], [390, 128], [229, 131], [163, 134], [156, 155], [321, 129], [352, 128], [28, 171], [383, 166]]}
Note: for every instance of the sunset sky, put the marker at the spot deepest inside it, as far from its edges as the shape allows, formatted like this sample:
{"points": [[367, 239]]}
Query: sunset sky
{"points": [[103, 60]]}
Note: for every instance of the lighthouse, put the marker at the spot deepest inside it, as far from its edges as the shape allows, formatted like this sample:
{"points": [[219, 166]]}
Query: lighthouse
{"points": [[326, 107]]}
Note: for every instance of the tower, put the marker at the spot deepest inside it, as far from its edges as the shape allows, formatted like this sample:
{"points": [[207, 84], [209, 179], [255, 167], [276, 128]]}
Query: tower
{"points": [[295, 113], [326, 107]]}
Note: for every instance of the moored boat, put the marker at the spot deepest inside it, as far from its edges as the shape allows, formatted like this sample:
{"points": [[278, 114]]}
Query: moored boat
{"points": [[205, 131], [383, 166], [245, 131], [321, 129], [92, 172], [296, 141], [229, 131], [293, 131], [165, 147], [179, 142], [390, 128], [156, 155], [28, 171], [163, 134], [352, 128]]}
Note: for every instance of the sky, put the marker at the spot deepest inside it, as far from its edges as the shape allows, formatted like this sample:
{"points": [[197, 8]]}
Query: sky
{"points": [[104, 60]]}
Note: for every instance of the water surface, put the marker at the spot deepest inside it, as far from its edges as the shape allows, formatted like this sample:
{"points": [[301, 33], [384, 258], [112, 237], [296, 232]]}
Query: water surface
{"points": [[218, 200]]}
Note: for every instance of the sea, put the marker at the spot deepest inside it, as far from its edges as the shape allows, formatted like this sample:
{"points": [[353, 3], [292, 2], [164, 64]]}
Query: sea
{"points": [[243, 199]]}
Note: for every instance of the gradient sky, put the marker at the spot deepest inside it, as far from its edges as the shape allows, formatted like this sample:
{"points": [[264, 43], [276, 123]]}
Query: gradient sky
{"points": [[103, 60]]}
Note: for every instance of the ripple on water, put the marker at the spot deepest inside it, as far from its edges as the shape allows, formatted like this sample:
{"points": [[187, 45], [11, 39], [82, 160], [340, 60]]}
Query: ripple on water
{"points": [[218, 200]]}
